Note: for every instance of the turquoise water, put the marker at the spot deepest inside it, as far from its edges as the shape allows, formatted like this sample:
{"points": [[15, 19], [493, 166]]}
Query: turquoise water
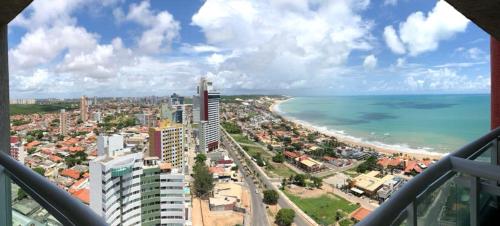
{"points": [[434, 123]]}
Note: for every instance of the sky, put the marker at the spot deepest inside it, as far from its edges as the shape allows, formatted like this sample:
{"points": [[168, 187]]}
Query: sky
{"points": [[69, 48]]}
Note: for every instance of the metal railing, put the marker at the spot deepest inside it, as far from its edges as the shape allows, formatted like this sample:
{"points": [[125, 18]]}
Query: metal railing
{"points": [[476, 176], [59, 203]]}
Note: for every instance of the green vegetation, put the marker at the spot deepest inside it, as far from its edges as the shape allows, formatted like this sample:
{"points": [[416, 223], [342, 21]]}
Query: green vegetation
{"points": [[238, 137], [321, 208], [368, 165], [231, 127], [203, 180], [299, 180], [75, 159], [280, 170], [35, 134], [18, 122], [21, 194], [317, 182], [117, 121], [271, 197], [285, 217], [200, 158], [279, 157], [39, 170], [346, 222], [24, 109]]}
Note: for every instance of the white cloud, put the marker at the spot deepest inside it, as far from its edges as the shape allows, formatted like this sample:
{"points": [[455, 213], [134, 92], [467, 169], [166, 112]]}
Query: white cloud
{"points": [[422, 33], [392, 40], [161, 31], [391, 2], [400, 62], [446, 79], [274, 44], [370, 62]]}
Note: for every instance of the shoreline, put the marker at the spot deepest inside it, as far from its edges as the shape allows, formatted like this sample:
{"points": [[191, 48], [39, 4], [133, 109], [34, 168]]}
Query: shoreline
{"points": [[354, 141]]}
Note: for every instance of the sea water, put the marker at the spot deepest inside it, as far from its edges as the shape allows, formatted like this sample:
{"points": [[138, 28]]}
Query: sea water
{"points": [[430, 123]]}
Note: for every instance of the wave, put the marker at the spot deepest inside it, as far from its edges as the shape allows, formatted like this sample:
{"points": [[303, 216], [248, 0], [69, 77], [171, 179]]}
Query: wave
{"points": [[343, 136]]}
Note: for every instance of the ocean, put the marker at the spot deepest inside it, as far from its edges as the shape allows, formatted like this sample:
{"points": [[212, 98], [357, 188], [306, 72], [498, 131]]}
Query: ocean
{"points": [[409, 123]]}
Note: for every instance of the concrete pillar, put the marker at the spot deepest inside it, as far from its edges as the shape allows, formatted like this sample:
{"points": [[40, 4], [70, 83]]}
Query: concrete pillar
{"points": [[495, 82], [5, 193]]}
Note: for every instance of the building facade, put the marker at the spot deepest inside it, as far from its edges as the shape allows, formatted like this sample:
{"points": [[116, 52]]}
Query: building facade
{"points": [[209, 111], [166, 143], [63, 122], [84, 109]]}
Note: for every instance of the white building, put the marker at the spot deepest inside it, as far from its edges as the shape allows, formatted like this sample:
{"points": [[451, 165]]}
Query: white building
{"points": [[124, 187], [209, 112]]}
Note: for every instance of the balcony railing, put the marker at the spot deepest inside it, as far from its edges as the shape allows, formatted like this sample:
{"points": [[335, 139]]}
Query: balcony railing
{"points": [[60, 204], [460, 189]]}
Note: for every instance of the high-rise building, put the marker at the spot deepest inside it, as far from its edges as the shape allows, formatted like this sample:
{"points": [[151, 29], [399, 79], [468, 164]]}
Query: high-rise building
{"points": [[63, 122], [127, 188], [176, 99], [196, 109], [115, 182], [209, 112], [84, 108], [166, 143], [17, 149]]}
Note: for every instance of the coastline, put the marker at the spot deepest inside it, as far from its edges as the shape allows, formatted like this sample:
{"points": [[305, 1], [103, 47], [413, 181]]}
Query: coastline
{"points": [[353, 141]]}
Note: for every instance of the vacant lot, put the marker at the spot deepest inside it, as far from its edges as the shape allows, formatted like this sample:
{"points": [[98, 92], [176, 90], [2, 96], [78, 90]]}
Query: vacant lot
{"points": [[323, 208]]}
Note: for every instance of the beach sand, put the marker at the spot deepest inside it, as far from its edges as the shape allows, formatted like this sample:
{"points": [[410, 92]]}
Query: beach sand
{"points": [[355, 142]]}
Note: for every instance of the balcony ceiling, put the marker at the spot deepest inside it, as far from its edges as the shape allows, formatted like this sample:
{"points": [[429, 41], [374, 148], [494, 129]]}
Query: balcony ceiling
{"points": [[484, 13], [10, 8]]}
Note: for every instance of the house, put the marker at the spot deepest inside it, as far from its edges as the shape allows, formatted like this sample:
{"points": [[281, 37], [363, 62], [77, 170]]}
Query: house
{"points": [[368, 184], [360, 214], [309, 164]]}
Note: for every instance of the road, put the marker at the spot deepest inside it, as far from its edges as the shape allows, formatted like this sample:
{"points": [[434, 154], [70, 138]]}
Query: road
{"points": [[299, 219], [259, 215]]}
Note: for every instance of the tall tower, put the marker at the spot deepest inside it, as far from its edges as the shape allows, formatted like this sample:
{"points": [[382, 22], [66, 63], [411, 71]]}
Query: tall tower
{"points": [[84, 108], [209, 112], [63, 122]]}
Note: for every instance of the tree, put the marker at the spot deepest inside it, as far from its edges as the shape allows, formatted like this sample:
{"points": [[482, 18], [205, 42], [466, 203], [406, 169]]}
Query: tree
{"points": [[270, 197], [279, 158], [300, 180], [200, 158], [317, 182], [234, 168], [284, 217], [368, 165], [283, 184], [39, 170], [203, 180], [269, 147], [287, 140], [21, 194]]}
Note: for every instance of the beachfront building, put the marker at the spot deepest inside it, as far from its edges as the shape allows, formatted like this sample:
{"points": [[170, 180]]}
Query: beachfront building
{"points": [[166, 143], [368, 184]]}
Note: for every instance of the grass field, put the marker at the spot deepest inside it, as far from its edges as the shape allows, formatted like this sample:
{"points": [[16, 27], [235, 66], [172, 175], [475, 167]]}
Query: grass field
{"points": [[241, 139], [323, 209], [23, 109], [279, 170]]}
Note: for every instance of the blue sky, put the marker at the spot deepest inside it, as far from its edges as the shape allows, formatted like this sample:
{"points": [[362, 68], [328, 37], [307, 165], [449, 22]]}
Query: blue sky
{"points": [[69, 48]]}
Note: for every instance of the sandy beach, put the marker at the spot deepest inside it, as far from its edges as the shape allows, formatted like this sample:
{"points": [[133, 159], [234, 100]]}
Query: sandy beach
{"points": [[417, 154]]}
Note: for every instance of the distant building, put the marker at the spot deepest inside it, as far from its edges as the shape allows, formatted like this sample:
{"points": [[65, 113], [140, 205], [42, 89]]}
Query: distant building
{"points": [[209, 111], [17, 149], [196, 109], [97, 116], [84, 109], [63, 122], [176, 99], [166, 143]]}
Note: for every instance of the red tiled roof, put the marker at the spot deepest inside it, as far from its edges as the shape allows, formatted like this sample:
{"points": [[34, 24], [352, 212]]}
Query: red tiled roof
{"points": [[71, 173], [360, 213], [75, 149], [412, 165], [14, 139], [328, 158], [216, 170], [223, 161], [290, 154], [55, 158], [385, 162], [82, 195]]}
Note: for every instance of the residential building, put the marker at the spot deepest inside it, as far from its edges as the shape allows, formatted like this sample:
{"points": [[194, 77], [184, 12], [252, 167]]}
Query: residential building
{"points": [[166, 143], [84, 108], [17, 149], [209, 100], [63, 122], [115, 182]]}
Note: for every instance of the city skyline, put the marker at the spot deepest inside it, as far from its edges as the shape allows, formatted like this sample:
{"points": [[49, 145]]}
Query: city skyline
{"points": [[154, 48]]}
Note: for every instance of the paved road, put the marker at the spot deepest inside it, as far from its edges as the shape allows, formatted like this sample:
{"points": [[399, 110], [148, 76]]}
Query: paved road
{"points": [[298, 220], [259, 215]]}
